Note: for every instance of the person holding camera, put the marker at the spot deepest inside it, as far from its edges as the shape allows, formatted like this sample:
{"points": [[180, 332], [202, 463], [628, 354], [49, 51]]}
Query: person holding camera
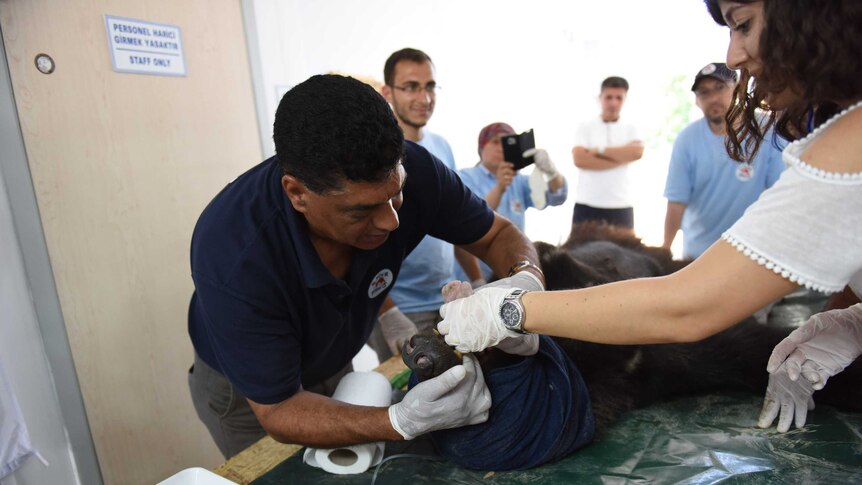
{"points": [[507, 191]]}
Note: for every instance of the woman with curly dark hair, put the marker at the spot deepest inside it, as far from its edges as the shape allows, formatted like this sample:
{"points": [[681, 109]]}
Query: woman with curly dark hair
{"points": [[800, 64], [801, 67]]}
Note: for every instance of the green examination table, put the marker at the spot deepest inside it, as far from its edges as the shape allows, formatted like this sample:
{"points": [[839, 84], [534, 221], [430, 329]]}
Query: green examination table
{"points": [[696, 440]]}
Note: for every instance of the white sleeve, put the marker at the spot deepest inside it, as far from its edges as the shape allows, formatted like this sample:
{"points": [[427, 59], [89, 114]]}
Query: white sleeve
{"points": [[807, 228]]}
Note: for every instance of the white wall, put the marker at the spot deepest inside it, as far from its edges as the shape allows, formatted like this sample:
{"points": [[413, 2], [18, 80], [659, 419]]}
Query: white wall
{"points": [[534, 65]]}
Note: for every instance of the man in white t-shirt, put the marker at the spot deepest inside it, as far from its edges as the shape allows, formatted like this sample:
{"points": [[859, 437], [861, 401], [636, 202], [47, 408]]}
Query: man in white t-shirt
{"points": [[604, 148]]}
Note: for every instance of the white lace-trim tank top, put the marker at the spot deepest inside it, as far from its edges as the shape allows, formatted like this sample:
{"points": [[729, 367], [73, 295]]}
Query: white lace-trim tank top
{"points": [[808, 226]]}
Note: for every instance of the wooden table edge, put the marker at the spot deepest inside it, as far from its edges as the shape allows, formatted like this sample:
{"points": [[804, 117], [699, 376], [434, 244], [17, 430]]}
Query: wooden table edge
{"points": [[264, 455]]}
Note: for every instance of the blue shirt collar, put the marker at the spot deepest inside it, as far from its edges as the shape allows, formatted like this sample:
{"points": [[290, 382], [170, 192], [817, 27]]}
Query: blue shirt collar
{"points": [[484, 170]]}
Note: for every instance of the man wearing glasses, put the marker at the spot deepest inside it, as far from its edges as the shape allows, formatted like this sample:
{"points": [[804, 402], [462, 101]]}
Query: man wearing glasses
{"points": [[706, 191], [411, 90]]}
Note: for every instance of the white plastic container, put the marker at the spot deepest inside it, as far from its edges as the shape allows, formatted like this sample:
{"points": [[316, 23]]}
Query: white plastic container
{"points": [[196, 476]]}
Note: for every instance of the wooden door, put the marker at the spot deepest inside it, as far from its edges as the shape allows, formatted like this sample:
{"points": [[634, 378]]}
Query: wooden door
{"points": [[122, 165]]}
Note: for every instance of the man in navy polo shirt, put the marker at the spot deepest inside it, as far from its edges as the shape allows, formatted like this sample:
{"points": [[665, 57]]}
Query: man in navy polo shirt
{"points": [[292, 260]]}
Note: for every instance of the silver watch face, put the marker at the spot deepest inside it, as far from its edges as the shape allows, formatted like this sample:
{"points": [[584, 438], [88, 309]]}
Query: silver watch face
{"points": [[510, 314]]}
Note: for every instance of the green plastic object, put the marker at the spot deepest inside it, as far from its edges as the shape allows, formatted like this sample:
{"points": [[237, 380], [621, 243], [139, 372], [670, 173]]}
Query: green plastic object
{"points": [[400, 379]]}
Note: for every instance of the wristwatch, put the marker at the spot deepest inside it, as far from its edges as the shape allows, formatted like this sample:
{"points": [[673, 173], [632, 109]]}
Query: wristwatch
{"points": [[512, 311]]}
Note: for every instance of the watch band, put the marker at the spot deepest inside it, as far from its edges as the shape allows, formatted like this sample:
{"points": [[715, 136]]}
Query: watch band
{"points": [[522, 265]]}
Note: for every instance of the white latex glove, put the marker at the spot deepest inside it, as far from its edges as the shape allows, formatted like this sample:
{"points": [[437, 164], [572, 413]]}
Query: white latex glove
{"points": [[522, 344], [473, 323], [456, 289], [526, 344], [397, 329], [524, 280], [478, 283], [543, 161], [457, 397], [824, 346], [792, 398]]}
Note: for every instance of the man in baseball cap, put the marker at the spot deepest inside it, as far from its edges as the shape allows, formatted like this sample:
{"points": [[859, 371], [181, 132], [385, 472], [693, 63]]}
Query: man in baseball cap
{"points": [[706, 191], [715, 70]]}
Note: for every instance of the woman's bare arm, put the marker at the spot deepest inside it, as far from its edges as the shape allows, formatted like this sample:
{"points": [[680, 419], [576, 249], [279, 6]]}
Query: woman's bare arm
{"points": [[711, 294]]}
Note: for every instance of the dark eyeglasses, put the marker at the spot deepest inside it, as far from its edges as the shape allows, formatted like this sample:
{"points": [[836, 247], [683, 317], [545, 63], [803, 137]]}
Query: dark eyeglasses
{"points": [[413, 88]]}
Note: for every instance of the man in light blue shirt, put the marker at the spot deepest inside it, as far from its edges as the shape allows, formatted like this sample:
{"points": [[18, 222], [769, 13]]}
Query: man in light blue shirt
{"points": [[414, 301], [507, 191], [706, 190]]}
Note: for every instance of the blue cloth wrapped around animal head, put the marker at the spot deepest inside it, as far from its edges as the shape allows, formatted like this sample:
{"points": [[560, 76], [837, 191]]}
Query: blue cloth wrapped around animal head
{"points": [[540, 413]]}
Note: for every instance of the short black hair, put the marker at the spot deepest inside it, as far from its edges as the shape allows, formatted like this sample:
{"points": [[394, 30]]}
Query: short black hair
{"points": [[331, 128], [405, 54], [615, 82]]}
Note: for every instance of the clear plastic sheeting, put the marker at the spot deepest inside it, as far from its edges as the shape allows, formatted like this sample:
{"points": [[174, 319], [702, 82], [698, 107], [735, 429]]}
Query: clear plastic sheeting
{"points": [[15, 445], [699, 440], [713, 439]]}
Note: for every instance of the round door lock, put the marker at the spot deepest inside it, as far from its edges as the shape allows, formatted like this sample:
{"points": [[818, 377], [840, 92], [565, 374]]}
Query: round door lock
{"points": [[44, 63]]}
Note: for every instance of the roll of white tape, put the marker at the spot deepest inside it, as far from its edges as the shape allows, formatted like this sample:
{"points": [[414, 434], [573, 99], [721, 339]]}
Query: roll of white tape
{"points": [[350, 459], [362, 389]]}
